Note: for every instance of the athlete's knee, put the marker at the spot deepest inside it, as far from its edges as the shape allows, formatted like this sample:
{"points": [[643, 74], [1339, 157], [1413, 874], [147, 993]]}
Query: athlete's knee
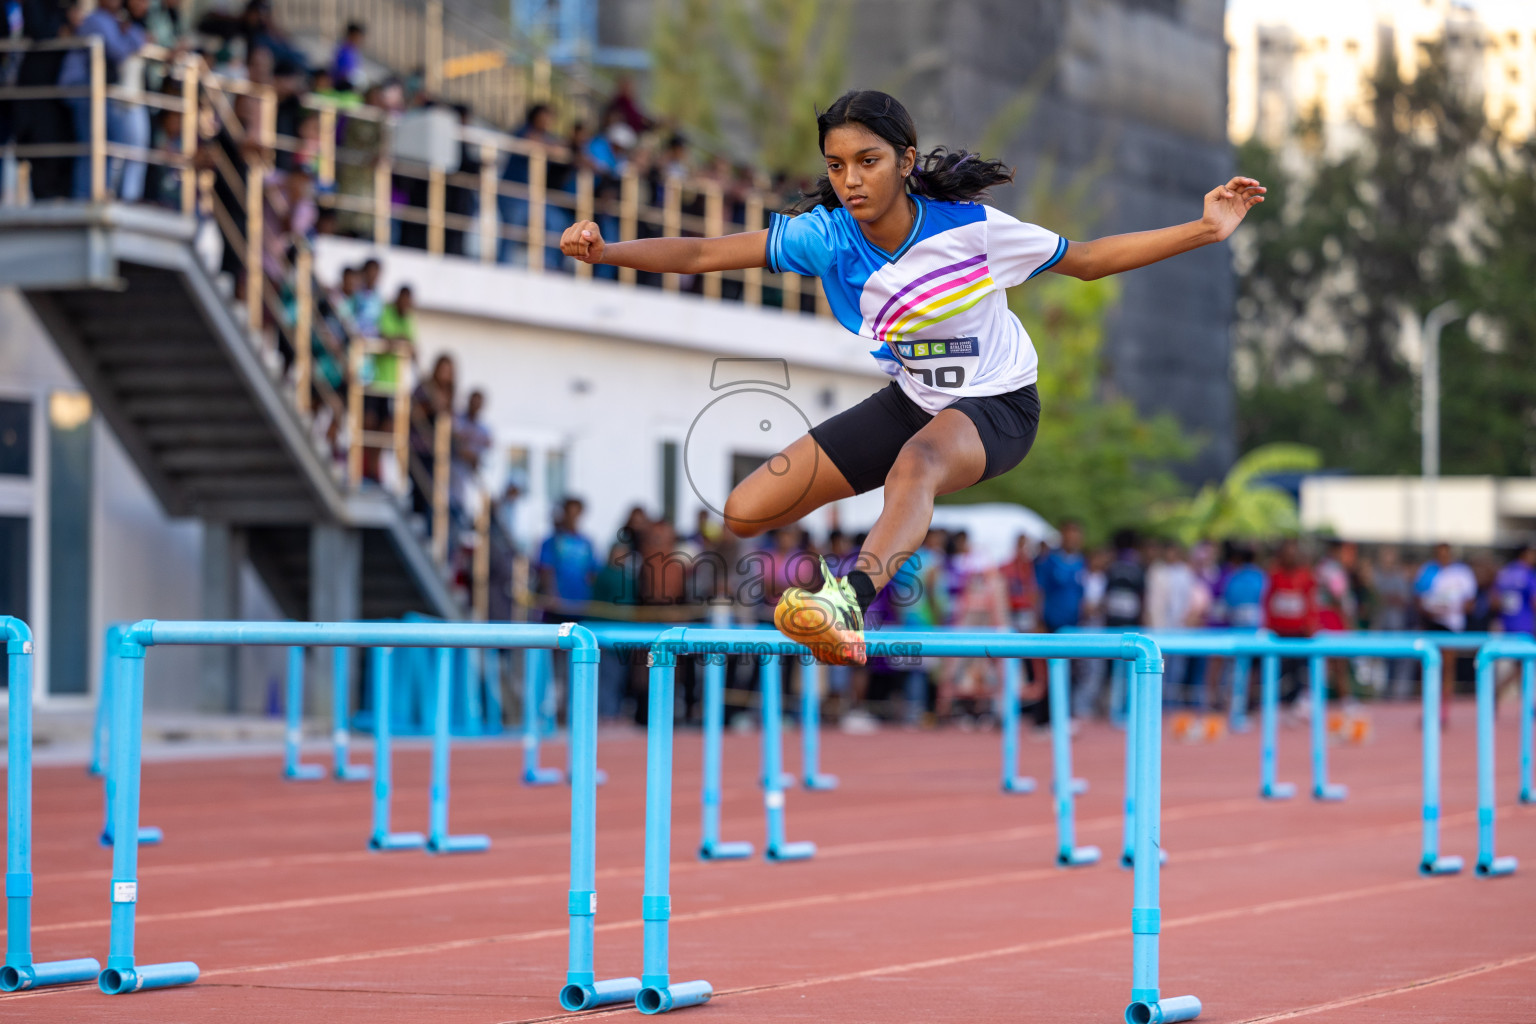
{"points": [[920, 463], [741, 516]]}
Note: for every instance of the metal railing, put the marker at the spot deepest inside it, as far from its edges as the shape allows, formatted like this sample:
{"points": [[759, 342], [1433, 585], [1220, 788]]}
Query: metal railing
{"points": [[225, 153]]}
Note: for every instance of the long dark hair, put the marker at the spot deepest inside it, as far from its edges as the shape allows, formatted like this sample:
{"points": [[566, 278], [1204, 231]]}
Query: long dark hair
{"points": [[943, 174]]}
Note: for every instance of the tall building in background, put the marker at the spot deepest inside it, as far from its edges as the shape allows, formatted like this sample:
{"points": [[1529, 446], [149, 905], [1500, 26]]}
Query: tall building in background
{"points": [[1289, 60], [1129, 92]]}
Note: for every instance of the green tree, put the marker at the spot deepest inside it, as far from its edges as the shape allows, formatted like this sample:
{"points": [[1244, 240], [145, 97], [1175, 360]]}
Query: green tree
{"points": [[1356, 246], [1242, 507], [757, 68]]}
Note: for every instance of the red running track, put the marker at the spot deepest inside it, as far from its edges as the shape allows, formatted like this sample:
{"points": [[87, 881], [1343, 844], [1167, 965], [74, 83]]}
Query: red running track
{"points": [[932, 898]]}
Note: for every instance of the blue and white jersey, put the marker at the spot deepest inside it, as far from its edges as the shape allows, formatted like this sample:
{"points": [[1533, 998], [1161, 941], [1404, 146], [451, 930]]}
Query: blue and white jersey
{"points": [[936, 307]]}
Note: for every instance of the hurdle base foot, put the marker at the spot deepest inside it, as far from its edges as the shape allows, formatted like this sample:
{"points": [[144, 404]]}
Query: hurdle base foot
{"points": [[1128, 858], [304, 773], [458, 844], [1278, 791], [821, 782], [1440, 866], [575, 996], [1078, 857], [18, 978], [122, 980], [656, 999], [1527, 797], [543, 776], [1164, 1011], [1497, 867], [1019, 784], [149, 835], [352, 773], [791, 851], [1330, 792], [725, 851], [397, 841]]}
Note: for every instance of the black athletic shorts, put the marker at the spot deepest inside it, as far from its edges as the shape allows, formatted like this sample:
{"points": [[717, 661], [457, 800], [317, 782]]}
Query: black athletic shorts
{"points": [[863, 442]]}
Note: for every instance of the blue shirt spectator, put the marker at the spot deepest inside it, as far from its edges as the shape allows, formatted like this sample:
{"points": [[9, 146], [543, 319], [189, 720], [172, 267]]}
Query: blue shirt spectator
{"points": [[1243, 594], [567, 562], [1060, 574]]}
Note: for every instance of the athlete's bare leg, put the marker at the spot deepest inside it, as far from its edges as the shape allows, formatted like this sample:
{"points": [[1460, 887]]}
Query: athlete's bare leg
{"points": [[944, 457], [791, 485]]}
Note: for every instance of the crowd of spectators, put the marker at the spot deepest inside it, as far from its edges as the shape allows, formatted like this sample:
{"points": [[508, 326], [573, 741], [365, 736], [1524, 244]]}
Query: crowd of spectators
{"points": [[651, 572]]}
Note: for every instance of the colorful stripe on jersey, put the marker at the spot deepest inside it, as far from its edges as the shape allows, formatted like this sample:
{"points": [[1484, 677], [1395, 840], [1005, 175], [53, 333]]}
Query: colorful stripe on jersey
{"points": [[936, 296]]}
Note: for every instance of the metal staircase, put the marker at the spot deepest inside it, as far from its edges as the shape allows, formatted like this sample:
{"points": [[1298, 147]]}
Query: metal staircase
{"points": [[176, 373]]}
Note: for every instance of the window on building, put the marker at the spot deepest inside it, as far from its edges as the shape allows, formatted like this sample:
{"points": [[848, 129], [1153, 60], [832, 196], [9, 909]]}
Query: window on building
{"points": [[743, 465], [669, 481], [15, 438], [15, 573], [70, 499]]}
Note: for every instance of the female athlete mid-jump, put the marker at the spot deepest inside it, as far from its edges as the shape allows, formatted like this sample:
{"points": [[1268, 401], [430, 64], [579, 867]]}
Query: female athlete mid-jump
{"points": [[912, 262]]}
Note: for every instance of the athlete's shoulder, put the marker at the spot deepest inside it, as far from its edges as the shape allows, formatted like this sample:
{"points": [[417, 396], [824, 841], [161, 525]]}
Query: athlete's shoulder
{"points": [[942, 214]]}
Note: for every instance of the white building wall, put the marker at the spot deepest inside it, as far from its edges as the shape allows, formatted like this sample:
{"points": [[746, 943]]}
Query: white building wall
{"points": [[144, 564]]}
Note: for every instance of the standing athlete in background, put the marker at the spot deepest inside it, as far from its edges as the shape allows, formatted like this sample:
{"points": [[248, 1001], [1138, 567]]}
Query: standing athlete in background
{"points": [[912, 262]]}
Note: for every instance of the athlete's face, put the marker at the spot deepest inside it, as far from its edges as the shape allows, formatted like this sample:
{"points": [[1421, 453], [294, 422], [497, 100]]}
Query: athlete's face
{"points": [[868, 173]]}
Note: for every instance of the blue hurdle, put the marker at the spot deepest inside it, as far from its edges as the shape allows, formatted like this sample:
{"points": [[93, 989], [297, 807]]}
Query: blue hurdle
{"points": [[1523, 649], [382, 836], [1013, 782], [537, 668], [342, 768], [1147, 1005], [122, 973], [20, 970], [293, 734], [101, 740]]}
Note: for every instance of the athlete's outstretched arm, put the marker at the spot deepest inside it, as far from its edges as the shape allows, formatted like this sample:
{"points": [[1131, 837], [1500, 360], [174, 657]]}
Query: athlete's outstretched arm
{"points": [[740, 251], [1225, 207]]}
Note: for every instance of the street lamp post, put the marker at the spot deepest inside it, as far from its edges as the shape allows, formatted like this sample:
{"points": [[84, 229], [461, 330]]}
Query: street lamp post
{"points": [[1429, 383]]}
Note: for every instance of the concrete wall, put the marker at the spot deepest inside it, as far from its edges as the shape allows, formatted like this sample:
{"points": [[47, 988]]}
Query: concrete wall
{"points": [[1476, 510], [143, 564]]}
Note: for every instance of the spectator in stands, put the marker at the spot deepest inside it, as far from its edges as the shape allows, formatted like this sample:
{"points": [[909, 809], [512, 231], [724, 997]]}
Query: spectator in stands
{"points": [[1290, 609], [1446, 588], [1391, 609], [37, 122], [1125, 583], [260, 31], [617, 586], [567, 563], [610, 150], [471, 442], [122, 36], [1174, 602], [461, 202], [363, 138], [1242, 594], [919, 597], [538, 129], [432, 398], [623, 107], [367, 305], [347, 61], [290, 213], [1060, 574], [1090, 672], [1516, 587]]}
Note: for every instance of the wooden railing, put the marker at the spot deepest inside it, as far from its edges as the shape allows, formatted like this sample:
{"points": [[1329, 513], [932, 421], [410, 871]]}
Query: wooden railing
{"points": [[227, 144]]}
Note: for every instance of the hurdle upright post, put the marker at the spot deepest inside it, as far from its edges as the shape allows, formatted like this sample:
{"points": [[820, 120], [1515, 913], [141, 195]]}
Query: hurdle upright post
{"points": [[1430, 861], [438, 838], [711, 847], [341, 683], [1489, 865], [537, 665], [1013, 782], [658, 994], [20, 971], [1269, 730], [1322, 789], [810, 729], [114, 636], [1063, 785], [383, 663], [770, 679], [1147, 1005], [293, 735], [1242, 669], [582, 990], [149, 835], [1527, 727], [122, 974]]}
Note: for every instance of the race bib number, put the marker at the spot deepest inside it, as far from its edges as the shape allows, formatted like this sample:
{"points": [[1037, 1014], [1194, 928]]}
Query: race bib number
{"points": [[941, 364], [1287, 604], [1514, 602]]}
